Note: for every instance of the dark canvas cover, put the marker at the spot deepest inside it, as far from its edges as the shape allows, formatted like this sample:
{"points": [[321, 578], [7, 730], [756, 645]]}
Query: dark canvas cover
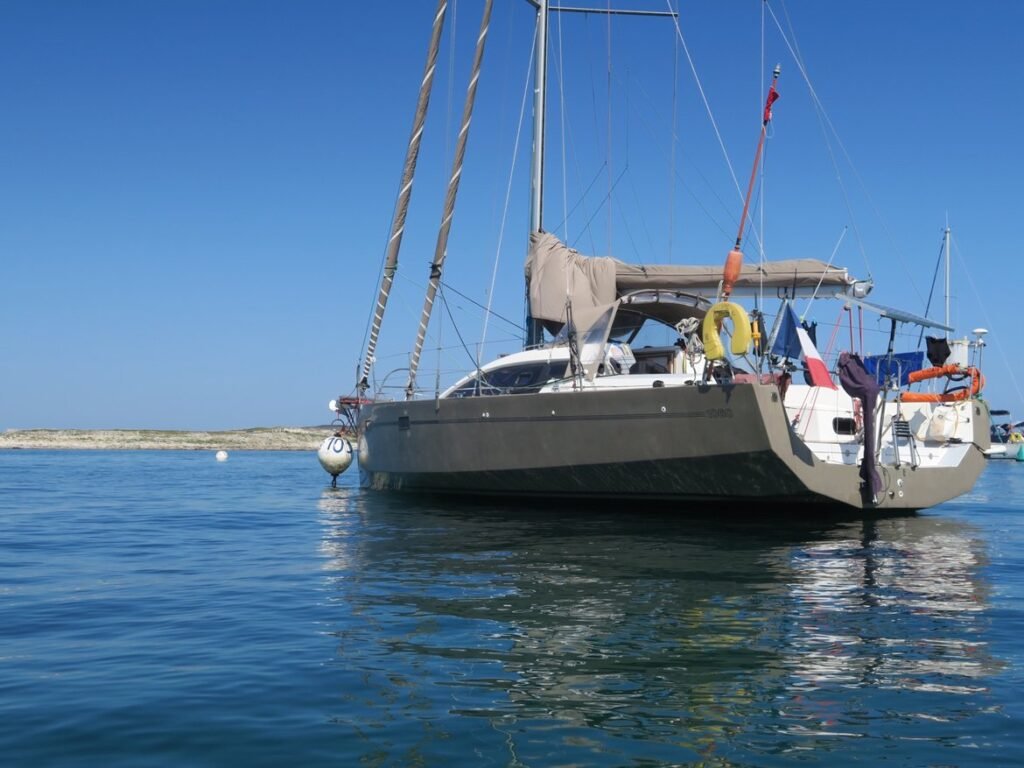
{"points": [[938, 350], [857, 382]]}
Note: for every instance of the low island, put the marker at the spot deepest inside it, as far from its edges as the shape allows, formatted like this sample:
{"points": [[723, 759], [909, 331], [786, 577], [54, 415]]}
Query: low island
{"points": [[255, 439]]}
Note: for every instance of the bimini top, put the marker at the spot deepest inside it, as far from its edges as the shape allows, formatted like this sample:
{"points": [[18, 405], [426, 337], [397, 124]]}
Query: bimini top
{"points": [[555, 271]]}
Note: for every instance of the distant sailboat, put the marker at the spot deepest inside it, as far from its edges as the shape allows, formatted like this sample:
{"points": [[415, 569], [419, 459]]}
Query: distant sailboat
{"points": [[1007, 437]]}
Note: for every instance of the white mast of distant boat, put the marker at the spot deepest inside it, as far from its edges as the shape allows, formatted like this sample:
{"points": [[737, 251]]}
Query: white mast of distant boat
{"points": [[947, 273], [979, 333]]}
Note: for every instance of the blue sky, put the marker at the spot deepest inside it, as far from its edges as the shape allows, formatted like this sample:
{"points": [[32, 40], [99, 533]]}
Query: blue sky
{"points": [[195, 195]]}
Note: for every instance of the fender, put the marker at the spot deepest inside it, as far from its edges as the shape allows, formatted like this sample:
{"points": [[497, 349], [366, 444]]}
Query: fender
{"points": [[711, 330]]}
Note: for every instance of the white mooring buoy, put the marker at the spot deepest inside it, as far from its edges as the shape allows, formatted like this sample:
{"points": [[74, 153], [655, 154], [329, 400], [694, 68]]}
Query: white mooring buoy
{"points": [[222, 455], [335, 455]]}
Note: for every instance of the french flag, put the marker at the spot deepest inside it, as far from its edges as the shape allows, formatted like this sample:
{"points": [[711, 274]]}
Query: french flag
{"points": [[792, 341]]}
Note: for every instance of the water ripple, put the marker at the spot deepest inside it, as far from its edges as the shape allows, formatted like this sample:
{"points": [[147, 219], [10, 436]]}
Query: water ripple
{"points": [[164, 608]]}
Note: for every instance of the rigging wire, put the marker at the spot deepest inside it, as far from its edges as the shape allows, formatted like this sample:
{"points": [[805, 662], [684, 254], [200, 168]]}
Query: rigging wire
{"points": [[988, 320], [409, 312], [652, 107], [441, 247], [636, 196], [568, 275], [823, 120], [853, 167], [625, 219], [449, 113], [607, 198], [593, 115], [821, 279], [759, 203], [380, 275], [487, 309], [401, 205], [508, 198], [608, 111], [707, 107], [567, 147], [450, 101], [764, 166], [447, 155], [449, 110], [583, 197], [931, 291], [440, 336], [643, 220], [461, 369], [462, 345], [813, 392], [455, 327], [452, 15]]}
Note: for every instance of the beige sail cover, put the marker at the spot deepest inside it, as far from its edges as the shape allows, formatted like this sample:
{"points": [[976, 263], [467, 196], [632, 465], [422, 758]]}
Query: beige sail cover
{"points": [[596, 280], [788, 273], [555, 272]]}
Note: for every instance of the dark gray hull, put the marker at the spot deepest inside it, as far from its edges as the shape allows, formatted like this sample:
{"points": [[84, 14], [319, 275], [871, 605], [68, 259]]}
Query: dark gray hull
{"points": [[727, 444]]}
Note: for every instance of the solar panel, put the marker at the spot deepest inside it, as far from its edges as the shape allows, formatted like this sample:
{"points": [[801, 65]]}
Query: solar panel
{"points": [[899, 315]]}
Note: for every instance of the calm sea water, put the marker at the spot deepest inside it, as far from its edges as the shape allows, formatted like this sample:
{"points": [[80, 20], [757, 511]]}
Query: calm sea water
{"points": [[165, 609]]}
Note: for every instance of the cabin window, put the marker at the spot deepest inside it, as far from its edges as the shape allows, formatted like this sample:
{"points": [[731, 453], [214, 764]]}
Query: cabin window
{"points": [[844, 426], [518, 379], [474, 387]]}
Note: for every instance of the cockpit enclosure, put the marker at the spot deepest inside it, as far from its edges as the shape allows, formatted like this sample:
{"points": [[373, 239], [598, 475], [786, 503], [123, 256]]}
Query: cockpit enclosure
{"points": [[671, 308], [601, 337], [604, 334]]}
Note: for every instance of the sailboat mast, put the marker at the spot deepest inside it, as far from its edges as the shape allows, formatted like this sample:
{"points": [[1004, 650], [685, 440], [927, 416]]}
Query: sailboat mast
{"points": [[539, 106], [947, 275], [534, 332], [405, 193]]}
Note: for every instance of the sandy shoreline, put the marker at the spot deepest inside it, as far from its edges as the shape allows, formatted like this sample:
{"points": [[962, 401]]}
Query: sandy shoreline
{"points": [[256, 439]]}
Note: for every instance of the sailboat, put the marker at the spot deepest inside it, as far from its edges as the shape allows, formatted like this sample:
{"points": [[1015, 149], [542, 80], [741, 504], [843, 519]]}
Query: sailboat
{"points": [[721, 415], [1007, 437]]}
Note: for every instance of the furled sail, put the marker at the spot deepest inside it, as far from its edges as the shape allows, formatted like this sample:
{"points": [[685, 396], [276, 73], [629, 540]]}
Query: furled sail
{"points": [[558, 274]]}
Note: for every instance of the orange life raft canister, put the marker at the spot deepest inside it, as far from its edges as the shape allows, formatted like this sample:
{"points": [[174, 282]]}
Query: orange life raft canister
{"points": [[963, 393]]}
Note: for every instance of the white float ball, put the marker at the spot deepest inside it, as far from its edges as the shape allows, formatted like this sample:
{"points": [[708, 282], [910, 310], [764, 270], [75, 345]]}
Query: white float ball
{"points": [[335, 455], [222, 455]]}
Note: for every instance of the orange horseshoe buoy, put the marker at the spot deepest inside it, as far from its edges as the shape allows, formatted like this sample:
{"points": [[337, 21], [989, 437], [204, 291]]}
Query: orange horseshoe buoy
{"points": [[977, 382]]}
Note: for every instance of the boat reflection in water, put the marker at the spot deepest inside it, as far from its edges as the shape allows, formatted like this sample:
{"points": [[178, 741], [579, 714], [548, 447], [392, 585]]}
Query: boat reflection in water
{"points": [[605, 639]]}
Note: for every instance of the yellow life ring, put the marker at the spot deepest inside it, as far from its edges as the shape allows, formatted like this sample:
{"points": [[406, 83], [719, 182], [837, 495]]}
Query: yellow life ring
{"points": [[1016, 437], [714, 349]]}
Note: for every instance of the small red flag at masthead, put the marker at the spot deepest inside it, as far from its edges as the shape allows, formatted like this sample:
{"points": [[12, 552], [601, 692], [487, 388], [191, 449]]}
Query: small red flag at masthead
{"points": [[773, 95]]}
